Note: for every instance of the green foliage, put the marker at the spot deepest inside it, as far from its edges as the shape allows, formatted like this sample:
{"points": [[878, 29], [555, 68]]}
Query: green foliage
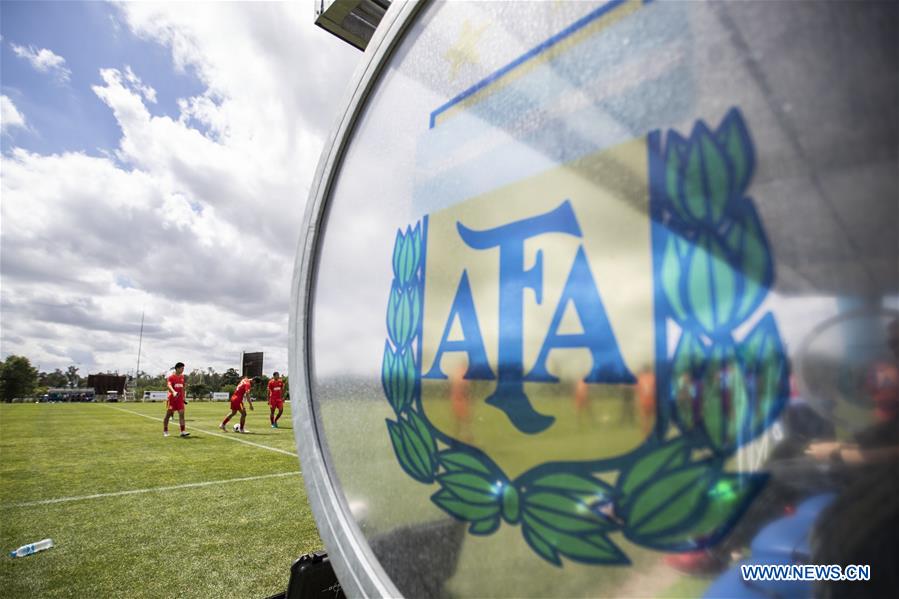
{"points": [[672, 273], [709, 172], [716, 265], [145, 382], [470, 487], [706, 186], [414, 446], [561, 513], [406, 255], [56, 379], [686, 371], [211, 378], [463, 510], [259, 390], [764, 360], [18, 378], [474, 491], [716, 271], [733, 139], [398, 378], [410, 434], [471, 493], [674, 173], [746, 242], [458, 461], [668, 456], [711, 283], [665, 501], [730, 410], [511, 499], [403, 314], [725, 496], [230, 378], [682, 505], [564, 512], [72, 377], [197, 390], [550, 543]]}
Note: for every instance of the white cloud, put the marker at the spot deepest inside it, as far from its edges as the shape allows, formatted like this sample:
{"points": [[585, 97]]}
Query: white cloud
{"points": [[74, 226], [266, 65], [194, 219], [9, 115], [44, 60], [146, 91]]}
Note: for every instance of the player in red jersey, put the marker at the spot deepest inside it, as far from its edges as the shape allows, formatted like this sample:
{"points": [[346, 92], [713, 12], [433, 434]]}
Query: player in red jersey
{"points": [[243, 387], [275, 399], [175, 400]]}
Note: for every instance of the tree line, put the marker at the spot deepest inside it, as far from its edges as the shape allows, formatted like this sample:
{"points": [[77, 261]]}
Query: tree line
{"points": [[18, 378]]}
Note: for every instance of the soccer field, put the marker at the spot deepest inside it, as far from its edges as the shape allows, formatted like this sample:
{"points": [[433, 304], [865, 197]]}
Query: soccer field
{"points": [[133, 513]]}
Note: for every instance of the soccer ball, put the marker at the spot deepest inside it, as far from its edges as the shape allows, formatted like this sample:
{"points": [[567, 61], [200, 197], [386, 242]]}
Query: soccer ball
{"points": [[236, 428]]}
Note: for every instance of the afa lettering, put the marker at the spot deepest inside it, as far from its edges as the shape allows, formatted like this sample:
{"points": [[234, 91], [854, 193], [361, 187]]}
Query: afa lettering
{"points": [[580, 290], [471, 342]]}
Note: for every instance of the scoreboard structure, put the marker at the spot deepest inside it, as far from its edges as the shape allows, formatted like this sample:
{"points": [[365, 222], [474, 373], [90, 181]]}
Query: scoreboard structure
{"points": [[251, 363]]}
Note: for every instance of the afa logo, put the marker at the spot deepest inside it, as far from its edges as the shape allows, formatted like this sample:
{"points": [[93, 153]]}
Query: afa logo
{"points": [[624, 273]]}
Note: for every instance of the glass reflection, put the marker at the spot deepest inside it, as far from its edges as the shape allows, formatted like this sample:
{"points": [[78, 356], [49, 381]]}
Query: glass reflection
{"points": [[617, 322]]}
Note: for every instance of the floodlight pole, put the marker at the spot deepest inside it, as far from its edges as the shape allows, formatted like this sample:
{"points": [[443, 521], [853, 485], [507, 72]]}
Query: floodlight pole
{"points": [[140, 340]]}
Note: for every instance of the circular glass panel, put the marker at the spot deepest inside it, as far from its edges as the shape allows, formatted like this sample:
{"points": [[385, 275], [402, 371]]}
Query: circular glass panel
{"points": [[598, 292]]}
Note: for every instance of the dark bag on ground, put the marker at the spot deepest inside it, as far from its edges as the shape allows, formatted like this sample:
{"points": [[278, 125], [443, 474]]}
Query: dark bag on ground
{"points": [[312, 577]]}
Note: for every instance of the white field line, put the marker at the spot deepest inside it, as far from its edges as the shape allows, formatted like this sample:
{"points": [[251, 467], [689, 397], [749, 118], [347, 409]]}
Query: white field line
{"points": [[151, 490], [233, 437]]}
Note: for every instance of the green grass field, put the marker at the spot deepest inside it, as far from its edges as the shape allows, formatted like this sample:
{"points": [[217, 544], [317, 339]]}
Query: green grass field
{"points": [[224, 515], [133, 513]]}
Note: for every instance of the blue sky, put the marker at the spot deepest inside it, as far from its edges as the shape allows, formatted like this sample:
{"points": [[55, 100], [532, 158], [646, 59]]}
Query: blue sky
{"points": [[156, 159], [67, 115]]}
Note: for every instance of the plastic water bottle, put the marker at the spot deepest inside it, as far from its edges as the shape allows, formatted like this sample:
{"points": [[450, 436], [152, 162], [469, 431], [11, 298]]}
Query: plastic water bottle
{"points": [[31, 548]]}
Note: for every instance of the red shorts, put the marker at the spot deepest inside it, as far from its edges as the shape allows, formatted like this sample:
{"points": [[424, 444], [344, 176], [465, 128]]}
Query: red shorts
{"points": [[176, 404], [236, 404], [276, 404]]}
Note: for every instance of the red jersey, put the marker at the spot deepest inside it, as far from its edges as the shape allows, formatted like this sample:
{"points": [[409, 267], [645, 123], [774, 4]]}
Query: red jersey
{"points": [[275, 386], [241, 390], [177, 383]]}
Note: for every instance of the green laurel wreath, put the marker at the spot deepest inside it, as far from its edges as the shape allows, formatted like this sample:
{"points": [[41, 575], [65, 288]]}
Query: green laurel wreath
{"points": [[672, 493]]}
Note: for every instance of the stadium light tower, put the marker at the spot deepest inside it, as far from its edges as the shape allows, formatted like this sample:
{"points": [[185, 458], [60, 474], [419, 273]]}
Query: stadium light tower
{"points": [[353, 21], [140, 340]]}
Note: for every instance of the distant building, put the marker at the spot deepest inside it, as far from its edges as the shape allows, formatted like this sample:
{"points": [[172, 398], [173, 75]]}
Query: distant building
{"points": [[65, 394], [107, 384]]}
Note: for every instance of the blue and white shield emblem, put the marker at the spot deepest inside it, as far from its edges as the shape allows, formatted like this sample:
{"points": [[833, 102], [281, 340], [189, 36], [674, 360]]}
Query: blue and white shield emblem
{"points": [[562, 350]]}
